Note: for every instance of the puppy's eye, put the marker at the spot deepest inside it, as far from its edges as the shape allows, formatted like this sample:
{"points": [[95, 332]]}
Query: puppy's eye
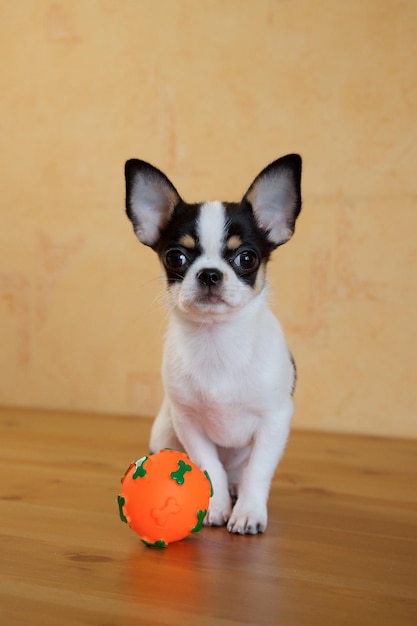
{"points": [[246, 261], [175, 259]]}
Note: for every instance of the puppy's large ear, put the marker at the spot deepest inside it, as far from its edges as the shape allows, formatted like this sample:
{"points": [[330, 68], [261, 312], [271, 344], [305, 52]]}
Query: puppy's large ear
{"points": [[150, 200], [275, 196]]}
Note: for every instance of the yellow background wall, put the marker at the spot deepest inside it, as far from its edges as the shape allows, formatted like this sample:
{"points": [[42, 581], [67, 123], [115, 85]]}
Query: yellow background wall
{"points": [[210, 91]]}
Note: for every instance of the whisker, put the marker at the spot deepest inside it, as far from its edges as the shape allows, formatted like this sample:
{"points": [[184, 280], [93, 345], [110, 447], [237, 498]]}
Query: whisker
{"points": [[145, 283]]}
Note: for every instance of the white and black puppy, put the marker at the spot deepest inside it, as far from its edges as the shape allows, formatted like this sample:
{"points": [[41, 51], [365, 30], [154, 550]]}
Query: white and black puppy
{"points": [[227, 371]]}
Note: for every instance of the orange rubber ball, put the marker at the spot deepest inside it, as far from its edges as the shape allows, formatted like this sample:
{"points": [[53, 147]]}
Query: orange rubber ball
{"points": [[164, 497]]}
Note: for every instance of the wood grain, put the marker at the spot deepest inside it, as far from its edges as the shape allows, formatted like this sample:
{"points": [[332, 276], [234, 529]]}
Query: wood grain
{"points": [[340, 548]]}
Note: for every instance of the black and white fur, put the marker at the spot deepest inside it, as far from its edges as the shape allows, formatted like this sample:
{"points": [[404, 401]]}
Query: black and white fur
{"points": [[227, 371]]}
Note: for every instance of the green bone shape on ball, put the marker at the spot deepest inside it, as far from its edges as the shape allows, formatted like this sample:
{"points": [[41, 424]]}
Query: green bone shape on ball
{"points": [[156, 544], [140, 471], [121, 502], [200, 519], [178, 475], [211, 484]]}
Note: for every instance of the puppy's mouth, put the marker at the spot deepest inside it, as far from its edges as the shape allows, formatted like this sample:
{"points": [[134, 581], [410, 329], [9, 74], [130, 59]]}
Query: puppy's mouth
{"points": [[209, 299], [208, 295]]}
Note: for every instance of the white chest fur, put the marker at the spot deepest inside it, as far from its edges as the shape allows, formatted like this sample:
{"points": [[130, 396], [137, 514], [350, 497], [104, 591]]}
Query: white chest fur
{"points": [[228, 376]]}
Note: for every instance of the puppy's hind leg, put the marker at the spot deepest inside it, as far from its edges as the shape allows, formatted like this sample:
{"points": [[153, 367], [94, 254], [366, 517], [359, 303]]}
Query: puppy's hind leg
{"points": [[163, 434], [234, 461]]}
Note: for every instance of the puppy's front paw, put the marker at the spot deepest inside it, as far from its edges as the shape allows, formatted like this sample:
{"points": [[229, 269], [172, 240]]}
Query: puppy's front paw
{"points": [[248, 520], [218, 512]]}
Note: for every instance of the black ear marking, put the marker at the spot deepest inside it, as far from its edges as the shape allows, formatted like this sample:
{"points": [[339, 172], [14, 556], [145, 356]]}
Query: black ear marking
{"points": [[275, 197], [150, 200]]}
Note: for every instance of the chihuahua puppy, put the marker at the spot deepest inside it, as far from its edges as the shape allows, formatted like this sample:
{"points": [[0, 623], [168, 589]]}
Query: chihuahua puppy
{"points": [[227, 372]]}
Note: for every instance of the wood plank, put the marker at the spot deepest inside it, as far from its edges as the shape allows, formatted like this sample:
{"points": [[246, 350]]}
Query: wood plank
{"points": [[340, 548]]}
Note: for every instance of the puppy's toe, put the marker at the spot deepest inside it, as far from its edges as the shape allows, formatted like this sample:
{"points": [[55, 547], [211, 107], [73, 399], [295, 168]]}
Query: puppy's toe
{"points": [[247, 521], [218, 514]]}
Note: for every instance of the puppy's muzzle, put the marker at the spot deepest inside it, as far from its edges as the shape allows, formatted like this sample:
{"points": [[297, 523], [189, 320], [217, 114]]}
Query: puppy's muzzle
{"points": [[210, 277]]}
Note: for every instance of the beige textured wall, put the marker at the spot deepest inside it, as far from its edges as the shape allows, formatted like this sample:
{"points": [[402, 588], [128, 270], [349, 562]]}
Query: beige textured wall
{"points": [[210, 91]]}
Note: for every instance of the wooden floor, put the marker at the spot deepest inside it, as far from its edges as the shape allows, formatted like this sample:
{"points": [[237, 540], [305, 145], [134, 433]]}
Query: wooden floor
{"points": [[340, 549]]}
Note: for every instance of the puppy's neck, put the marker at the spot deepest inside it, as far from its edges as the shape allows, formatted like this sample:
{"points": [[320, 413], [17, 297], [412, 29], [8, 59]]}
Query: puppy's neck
{"points": [[216, 347]]}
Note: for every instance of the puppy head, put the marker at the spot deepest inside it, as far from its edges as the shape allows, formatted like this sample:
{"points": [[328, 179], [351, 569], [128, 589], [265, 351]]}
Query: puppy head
{"points": [[214, 254]]}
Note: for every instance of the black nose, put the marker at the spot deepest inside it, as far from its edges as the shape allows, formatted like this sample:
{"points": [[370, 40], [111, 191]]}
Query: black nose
{"points": [[209, 277]]}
